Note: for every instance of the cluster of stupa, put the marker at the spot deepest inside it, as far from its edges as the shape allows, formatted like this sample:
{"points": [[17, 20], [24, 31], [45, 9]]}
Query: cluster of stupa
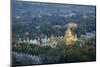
{"points": [[51, 41], [69, 38]]}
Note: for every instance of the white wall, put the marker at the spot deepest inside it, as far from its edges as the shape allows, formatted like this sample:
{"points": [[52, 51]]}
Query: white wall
{"points": [[5, 33], [91, 2]]}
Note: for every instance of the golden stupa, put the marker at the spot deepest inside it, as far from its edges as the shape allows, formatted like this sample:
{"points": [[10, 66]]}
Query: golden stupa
{"points": [[69, 37]]}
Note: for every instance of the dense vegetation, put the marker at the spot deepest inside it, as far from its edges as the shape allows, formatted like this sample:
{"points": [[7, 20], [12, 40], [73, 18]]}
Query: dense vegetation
{"points": [[61, 54], [36, 18]]}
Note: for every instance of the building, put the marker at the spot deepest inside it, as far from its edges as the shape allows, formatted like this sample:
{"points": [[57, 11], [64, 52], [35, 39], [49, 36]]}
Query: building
{"points": [[53, 41]]}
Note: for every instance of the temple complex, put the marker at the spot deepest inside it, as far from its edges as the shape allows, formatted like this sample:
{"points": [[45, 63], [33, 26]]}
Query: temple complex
{"points": [[68, 39]]}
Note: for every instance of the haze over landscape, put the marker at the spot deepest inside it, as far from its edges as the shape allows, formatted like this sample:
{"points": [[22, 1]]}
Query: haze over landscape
{"points": [[48, 33]]}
